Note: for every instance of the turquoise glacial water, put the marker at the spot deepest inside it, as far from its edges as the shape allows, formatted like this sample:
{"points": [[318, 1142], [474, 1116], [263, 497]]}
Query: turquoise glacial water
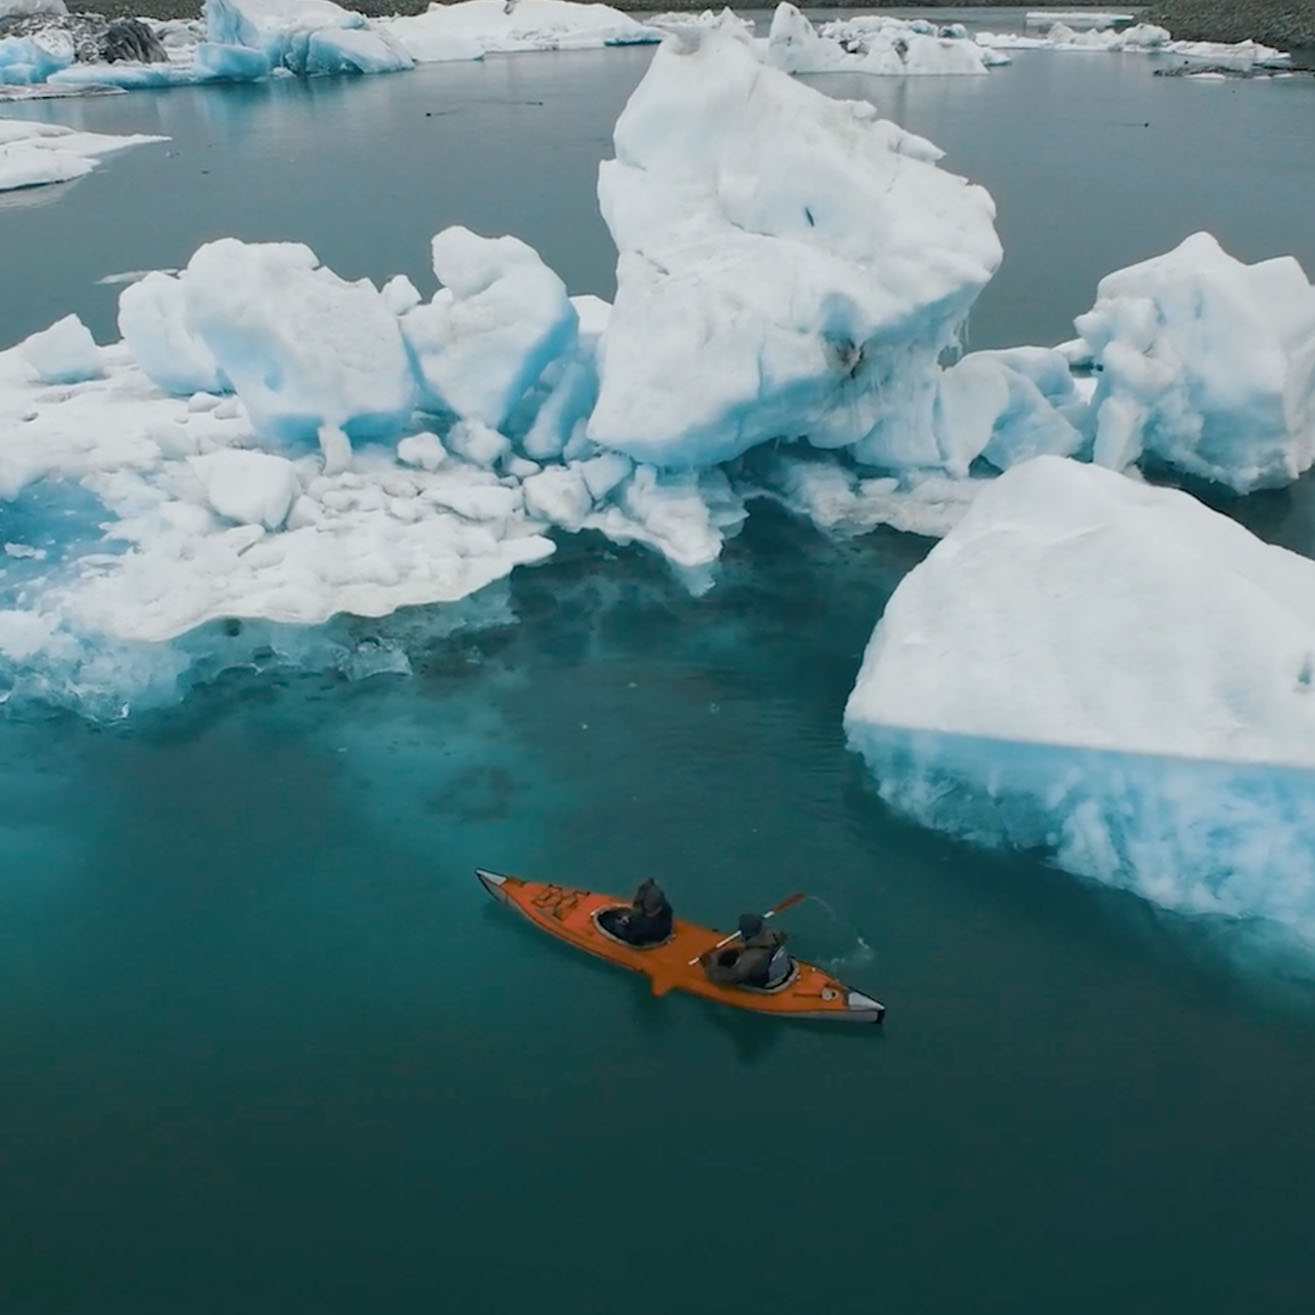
{"points": [[269, 1048]]}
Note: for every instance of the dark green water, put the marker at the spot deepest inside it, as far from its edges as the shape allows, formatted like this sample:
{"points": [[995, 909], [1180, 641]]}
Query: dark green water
{"points": [[267, 1046]]}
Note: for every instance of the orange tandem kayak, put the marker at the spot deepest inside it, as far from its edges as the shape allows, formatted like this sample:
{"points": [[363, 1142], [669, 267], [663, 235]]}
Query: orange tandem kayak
{"points": [[571, 915]]}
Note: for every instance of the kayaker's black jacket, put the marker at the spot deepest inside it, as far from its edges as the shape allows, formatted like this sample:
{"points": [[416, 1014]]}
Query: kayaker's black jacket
{"points": [[641, 927], [751, 962], [646, 922]]}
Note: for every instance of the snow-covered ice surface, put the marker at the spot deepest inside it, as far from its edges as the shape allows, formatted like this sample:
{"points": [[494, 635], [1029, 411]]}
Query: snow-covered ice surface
{"points": [[1115, 674], [1206, 365], [471, 29], [743, 278], [32, 154]]}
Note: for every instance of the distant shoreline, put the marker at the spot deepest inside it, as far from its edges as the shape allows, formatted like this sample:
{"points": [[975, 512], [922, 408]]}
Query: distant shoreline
{"points": [[1287, 24]]}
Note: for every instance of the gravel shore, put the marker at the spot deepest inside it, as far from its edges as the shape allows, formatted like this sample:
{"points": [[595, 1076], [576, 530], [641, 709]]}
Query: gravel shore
{"points": [[1287, 24]]}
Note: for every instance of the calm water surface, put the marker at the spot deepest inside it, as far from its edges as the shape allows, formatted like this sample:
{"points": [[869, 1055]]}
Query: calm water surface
{"points": [[268, 1048]]}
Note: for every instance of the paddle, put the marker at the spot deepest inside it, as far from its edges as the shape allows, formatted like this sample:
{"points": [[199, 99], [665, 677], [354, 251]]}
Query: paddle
{"points": [[771, 913]]}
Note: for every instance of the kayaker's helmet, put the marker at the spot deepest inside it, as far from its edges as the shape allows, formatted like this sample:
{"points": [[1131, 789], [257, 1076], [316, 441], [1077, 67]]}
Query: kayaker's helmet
{"points": [[750, 925]]}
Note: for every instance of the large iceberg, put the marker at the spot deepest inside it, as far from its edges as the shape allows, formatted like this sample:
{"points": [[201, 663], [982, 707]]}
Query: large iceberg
{"points": [[752, 304], [872, 43], [305, 36], [470, 29], [1112, 673], [32, 154], [500, 318], [1206, 365], [306, 351]]}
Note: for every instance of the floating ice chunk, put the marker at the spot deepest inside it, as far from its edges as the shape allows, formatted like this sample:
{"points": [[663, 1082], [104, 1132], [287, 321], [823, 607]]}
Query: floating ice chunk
{"points": [[1008, 406], [471, 28], [1115, 673], [28, 60], [65, 353], [213, 61], [400, 294], [25, 551], [476, 442], [1075, 606], [153, 321], [560, 496], [876, 44], [686, 516], [252, 488], [790, 266], [351, 50], [1077, 18], [32, 154], [568, 387], [270, 25], [726, 19], [302, 347], [501, 317], [1206, 365], [423, 450]]}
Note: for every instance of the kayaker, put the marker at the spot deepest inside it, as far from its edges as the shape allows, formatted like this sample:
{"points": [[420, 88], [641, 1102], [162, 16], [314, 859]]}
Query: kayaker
{"points": [[760, 959], [646, 922]]}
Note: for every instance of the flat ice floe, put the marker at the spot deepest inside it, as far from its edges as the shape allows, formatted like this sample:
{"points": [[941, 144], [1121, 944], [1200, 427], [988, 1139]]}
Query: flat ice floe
{"points": [[1142, 39], [1111, 672], [33, 154], [470, 29]]}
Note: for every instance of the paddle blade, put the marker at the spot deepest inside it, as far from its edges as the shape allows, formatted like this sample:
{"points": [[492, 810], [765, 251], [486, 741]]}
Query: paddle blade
{"points": [[786, 903]]}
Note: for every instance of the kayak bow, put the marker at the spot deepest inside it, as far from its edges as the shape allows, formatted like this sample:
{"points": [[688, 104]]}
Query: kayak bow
{"points": [[571, 915]]}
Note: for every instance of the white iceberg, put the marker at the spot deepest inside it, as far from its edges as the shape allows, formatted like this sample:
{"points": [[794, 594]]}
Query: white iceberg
{"points": [[30, 60], [1115, 674], [153, 322], [33, 154], [1008, 406], [305, 36], [1141, 38], [472, 28], [65, 353], [1206, 365], [879, 44], [501, 316], [790, 266], [306, 351], [249, 488]]}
